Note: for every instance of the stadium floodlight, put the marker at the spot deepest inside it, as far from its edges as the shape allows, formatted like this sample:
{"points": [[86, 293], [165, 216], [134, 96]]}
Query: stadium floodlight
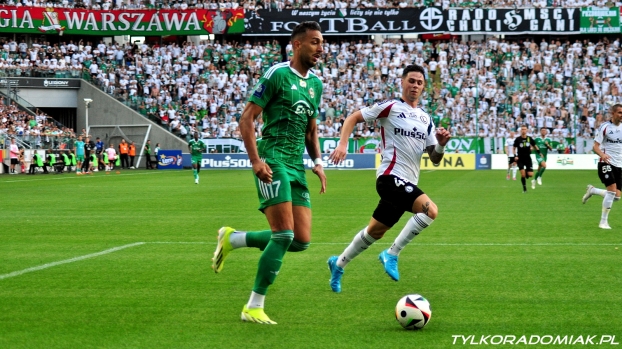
{"points": [[87, 101]]}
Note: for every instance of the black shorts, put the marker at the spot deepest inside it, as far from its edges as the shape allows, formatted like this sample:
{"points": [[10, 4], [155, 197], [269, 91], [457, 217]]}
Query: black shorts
{"points": [[610, 174], [525, 164], [510, 160], [397, 196], [14, 161]]}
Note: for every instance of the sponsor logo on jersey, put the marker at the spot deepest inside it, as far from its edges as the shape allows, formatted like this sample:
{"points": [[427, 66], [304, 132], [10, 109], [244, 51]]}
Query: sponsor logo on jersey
{"points": [[617, 141], [294, 87], [303, 108], [406, 133]]}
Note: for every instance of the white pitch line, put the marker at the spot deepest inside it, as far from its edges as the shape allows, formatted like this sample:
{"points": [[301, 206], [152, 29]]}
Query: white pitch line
{"points": [[181, 242], [71, 260], [118, 248]]}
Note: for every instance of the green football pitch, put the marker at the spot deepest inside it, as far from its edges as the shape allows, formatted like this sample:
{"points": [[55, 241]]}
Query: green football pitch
{"points": [[123, 261]]}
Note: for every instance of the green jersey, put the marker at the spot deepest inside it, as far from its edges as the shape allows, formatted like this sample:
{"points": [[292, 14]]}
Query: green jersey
{"points": [[541, 143], [196, 147], [289, 101]]}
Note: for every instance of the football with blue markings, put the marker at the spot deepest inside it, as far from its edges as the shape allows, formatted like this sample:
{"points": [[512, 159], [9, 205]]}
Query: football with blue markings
{"points": [[413, 312]]}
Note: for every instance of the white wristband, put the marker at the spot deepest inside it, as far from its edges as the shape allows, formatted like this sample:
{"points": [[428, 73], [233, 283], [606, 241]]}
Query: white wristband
{"points": [[439, 149], [318, 161]]}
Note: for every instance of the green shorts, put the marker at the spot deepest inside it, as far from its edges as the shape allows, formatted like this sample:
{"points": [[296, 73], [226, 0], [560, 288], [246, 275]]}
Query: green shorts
{"points": [[288, 185], [540, 158], [197, 159], [80, 158]]}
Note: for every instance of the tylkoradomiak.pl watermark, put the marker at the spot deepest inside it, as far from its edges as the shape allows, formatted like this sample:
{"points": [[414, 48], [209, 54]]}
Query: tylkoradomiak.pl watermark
{"points": [[498, 339]]}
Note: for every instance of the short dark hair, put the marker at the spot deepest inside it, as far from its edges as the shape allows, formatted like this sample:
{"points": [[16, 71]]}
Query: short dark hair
{"points": [[413, 68], [615, 107], [303, 27]]}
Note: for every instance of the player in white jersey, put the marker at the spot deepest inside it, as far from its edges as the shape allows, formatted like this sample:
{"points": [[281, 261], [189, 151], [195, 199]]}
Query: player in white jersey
{"points": [[608, 145], [509, 150], [407, 133]]}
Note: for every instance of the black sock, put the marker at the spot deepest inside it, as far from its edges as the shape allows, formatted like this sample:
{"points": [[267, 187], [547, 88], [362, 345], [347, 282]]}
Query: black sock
{"points": [[524, 181]]}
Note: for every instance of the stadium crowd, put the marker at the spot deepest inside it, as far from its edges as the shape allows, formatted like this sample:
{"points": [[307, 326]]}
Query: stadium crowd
{"points": [[476, 88], [38, 131], [277, 5]]}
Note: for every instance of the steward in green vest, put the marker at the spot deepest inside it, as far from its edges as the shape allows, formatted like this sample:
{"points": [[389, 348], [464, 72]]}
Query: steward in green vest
{"points": [[67, 162], [51, 159], [54, 161], [37, 161], [94, 162], [72, 156]]}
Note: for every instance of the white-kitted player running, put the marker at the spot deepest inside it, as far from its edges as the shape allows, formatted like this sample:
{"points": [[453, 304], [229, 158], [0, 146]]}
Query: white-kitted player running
{"points": [[407, 133], [608, 145]]}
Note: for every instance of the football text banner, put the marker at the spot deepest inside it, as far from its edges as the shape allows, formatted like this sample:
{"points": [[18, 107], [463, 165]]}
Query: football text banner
{"points": [[417, 20], [37, 20]]}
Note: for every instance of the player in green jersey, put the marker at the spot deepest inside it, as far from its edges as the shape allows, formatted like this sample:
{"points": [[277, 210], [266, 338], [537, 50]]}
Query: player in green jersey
{"points": [[197, 148], [544, 144], [288, 95]]}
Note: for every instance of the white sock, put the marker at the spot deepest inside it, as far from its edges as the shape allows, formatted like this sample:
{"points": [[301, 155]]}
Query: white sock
{"points": [[514, 170], [413, 227], [256, 300], [607, 202], [238, 239], [360, 243], [596, 191]]}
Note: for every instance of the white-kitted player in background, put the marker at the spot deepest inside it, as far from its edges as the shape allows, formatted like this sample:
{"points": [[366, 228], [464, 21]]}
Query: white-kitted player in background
{"points": [[608, 145]]}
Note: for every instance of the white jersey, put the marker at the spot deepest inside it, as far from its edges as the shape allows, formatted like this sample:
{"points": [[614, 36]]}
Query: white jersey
{"points": [[609, 136], [509, 143], [406, 132]]}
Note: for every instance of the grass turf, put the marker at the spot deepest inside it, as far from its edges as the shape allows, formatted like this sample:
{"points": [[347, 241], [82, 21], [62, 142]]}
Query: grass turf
{"points": [[496, 262]]}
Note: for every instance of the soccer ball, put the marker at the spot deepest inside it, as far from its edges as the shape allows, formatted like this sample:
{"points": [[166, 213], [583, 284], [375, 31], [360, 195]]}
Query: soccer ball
{"points": [[413, 312]]}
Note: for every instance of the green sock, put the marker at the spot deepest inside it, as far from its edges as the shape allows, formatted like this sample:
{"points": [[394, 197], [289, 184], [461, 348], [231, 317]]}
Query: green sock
{"points": [[298, 246], [271, 260], [258, 239], [194, 172], [541, 172]]}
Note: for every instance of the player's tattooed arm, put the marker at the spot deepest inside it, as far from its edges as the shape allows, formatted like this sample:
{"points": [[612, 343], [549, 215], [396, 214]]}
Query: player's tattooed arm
{"points": [[434, 156]]}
